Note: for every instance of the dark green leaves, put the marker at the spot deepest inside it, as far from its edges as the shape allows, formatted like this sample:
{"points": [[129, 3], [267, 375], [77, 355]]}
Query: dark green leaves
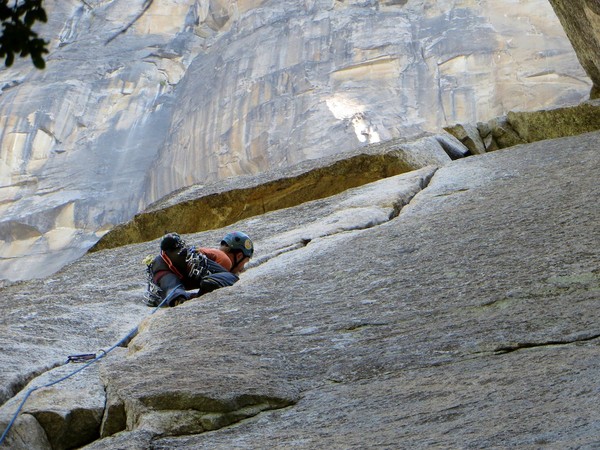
{"points": [[17, 17]]}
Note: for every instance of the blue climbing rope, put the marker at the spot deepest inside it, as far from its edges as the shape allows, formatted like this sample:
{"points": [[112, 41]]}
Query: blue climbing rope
{"points": [[69, 375]]}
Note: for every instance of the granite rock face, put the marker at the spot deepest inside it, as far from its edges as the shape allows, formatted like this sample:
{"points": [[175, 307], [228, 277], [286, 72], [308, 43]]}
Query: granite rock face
{"points": [[452, 306], [78, 138], [525, 127], [581, 21], [204, 207], [197, 91]]}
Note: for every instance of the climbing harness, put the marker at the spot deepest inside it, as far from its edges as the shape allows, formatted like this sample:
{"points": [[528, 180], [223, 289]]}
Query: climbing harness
{"points": [[197, 264], [170, 264], [89, 357], [152, 296], [198, 267]]}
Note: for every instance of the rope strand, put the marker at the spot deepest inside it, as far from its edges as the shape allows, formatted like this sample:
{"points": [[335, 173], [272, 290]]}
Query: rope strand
{"points": [[69, 375]]}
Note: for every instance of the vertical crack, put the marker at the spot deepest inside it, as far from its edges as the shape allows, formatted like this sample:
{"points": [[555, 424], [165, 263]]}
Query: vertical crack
{"points": [[401, 203]]}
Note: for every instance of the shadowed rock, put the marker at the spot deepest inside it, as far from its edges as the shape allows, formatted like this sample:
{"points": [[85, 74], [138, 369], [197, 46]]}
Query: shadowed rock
{"points": [[200, 207], [525, 127], [581, 21]]}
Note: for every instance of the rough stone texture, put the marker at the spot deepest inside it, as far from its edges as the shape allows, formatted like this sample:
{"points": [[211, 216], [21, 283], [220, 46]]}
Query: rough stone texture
{"points": [[74, 302], [201, 207], [581, 21], [79, 311], [68, 414], [560, 122], [525, 127], [200, 90], [468, 320], [469, 135]]}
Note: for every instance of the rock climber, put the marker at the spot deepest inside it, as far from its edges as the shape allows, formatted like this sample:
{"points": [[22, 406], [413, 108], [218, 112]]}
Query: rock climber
{"points": [[179, 268]]}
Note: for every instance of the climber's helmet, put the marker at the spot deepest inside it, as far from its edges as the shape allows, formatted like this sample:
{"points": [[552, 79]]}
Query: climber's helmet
{"points": [[239, 242]]}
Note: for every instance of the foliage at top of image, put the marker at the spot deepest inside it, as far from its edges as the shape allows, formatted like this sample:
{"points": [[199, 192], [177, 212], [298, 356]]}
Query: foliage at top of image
{"points": [[17, 38]]}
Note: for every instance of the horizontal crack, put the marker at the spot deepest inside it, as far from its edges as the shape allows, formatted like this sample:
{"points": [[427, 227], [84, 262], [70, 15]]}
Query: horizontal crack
{"points": [[298, 245], [186, 210], [456, 191], [398, 206], [524, 345], [183, 416], [363, 325]]}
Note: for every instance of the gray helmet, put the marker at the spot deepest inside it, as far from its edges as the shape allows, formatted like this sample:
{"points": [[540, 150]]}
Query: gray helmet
{"points": [[239, 242]]}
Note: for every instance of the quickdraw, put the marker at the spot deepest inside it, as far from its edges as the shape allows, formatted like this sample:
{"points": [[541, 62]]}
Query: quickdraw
{"points": [[197, 264], [76, 358], [152, 296], [85, 357]]}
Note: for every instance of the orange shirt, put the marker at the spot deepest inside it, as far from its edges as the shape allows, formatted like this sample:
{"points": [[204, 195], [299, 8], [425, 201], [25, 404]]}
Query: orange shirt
{"points": [[218, 256]]}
